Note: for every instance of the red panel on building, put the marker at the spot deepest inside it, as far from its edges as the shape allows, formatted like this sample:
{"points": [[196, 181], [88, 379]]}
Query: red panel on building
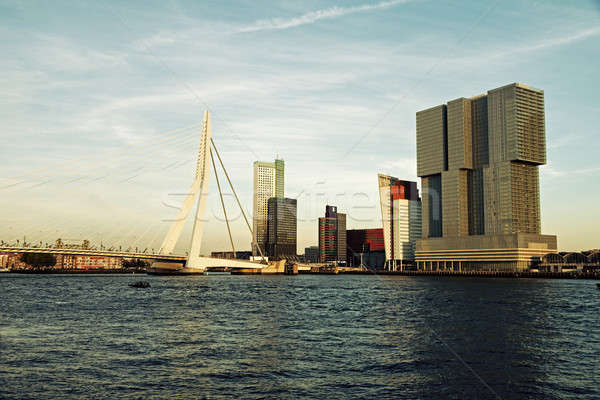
{"points": [[405, 190], [364, 240]]}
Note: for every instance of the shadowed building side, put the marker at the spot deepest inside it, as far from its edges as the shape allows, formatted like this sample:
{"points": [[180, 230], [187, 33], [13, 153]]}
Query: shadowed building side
{"points": [[281, 228], [268, 183], [332, 236]]}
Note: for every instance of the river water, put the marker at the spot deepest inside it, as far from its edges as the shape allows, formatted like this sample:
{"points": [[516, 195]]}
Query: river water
{"points": [[307, 336]]}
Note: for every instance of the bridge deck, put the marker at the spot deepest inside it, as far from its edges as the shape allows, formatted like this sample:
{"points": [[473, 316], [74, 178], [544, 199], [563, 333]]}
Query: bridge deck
{"points": [[89, 252]]}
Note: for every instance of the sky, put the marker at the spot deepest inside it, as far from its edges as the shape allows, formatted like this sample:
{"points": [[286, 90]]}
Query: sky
{"points": [[101, 102]]}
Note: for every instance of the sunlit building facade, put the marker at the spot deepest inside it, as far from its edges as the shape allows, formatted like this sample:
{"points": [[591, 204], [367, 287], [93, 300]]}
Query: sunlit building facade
{"points": [[478, 161], [401, 218]]}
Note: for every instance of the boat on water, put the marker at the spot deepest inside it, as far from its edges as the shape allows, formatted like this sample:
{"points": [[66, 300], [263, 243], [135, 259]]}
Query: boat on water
{"points": [[140, 284], [598, 286], [4, 270]]}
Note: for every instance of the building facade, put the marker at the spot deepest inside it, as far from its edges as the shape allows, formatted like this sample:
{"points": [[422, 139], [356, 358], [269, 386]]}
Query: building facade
{"points": [[365, 248], [401, 218], [478, 161], [311, 254], [281, 228], [332, 236], [65, 261], [268, 182]]}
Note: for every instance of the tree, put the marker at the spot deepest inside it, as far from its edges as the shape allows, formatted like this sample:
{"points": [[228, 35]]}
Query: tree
{"points": [[135, 263], [39, 260]]}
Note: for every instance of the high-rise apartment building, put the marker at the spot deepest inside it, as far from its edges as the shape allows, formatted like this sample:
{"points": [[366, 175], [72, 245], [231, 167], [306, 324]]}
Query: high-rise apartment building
{"points": [[332, 236], [478, 161], [401, 217], [268, 182], [281, 228]]}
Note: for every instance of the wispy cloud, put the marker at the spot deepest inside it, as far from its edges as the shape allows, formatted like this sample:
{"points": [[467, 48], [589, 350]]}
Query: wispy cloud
{"points": [[556, 41], [550, 171], [314, 16]]}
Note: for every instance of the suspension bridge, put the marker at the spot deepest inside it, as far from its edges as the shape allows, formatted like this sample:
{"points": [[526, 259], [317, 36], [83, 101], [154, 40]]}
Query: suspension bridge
{"points": [[165, 261]]}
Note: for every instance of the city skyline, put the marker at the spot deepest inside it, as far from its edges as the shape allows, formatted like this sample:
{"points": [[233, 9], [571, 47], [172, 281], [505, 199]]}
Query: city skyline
{"points": [[71, 94]]}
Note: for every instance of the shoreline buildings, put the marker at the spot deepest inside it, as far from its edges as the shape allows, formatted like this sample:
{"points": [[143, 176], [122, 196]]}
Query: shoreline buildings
{"points": [[268, 183], [478, 162], [332, 236], [401, 217]]}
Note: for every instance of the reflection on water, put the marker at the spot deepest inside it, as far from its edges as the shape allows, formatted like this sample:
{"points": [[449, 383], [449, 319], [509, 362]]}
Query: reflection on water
{"points": [[304, 336]]}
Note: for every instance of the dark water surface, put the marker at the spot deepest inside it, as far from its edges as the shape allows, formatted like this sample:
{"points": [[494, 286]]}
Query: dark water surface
{"points": [[298, 337]]}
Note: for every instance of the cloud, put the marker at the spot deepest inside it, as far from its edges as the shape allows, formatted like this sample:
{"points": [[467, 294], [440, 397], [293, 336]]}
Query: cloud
{"points": [[550, 171], [314, 16], [59, 53], [556, 41]]}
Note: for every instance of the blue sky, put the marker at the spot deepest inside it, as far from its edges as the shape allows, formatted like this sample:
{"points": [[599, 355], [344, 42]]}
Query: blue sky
{"points": [[92, 92]]}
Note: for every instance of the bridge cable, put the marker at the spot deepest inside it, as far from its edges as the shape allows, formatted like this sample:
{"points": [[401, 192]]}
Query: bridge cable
{"points": [[123, 150], [237, 198], [212, 159], [158, 147]]}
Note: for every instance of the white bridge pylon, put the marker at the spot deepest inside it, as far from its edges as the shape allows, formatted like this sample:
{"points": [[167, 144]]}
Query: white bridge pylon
{"points": [[199, 190]]}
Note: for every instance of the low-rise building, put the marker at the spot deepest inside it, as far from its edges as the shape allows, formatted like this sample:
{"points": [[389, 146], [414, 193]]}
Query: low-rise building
{"points": [[365, 248], [311, 254]]}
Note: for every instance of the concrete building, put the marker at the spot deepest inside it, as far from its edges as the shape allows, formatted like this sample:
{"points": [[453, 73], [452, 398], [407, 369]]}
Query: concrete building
{"points": [[401, 217], [67, 261], [365, 248], [478, 162], [268, 182], [332, 236], [311, 254], [281, 228]]}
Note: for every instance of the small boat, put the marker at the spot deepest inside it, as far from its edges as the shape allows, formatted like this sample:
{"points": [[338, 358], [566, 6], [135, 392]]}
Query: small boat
{"points": [[598, 285], [140, 284]]}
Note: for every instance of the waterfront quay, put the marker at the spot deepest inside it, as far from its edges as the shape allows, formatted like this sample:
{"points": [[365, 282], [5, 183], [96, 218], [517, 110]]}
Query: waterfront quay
{"points": [[491, 274]]}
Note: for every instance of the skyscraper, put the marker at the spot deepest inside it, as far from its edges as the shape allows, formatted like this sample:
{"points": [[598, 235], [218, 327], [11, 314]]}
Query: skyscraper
{"points": [[401, 218], [478, 161], [281, 228], [332, 236], [268, 182]]}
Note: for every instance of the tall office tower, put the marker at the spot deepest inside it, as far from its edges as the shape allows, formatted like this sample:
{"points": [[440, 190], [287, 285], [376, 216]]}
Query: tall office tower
{"points": [[401, 217], [281, 228], [478, 161], [268, 182], [332, 236]]}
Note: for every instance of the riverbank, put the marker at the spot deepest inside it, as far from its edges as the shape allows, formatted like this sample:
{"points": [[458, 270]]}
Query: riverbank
{"points": [[485, 274], [76, 271], [467, 274]]}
